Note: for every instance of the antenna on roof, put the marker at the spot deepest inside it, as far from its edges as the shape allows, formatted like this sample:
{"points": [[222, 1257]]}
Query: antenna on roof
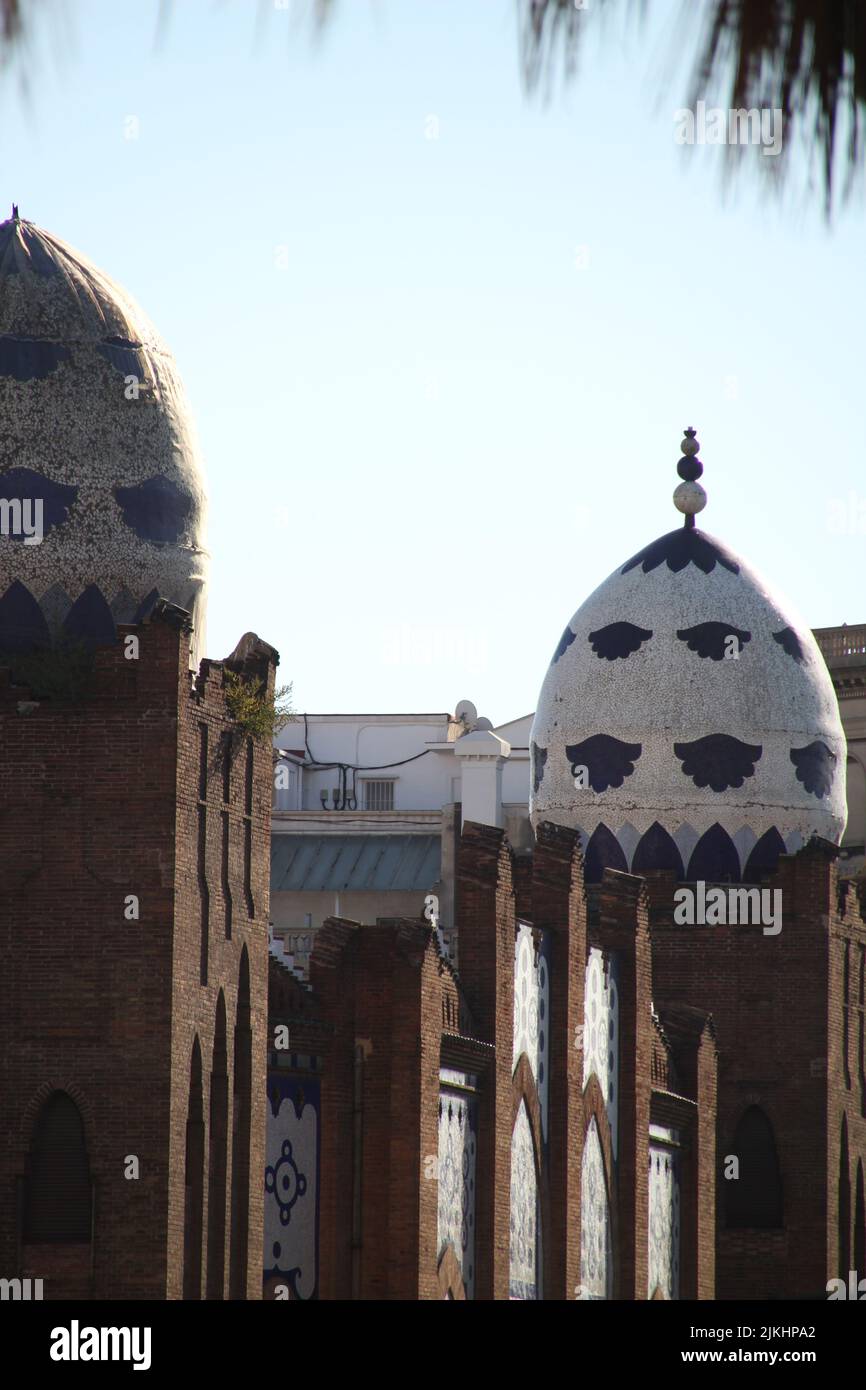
{"points": [[466, 712]]}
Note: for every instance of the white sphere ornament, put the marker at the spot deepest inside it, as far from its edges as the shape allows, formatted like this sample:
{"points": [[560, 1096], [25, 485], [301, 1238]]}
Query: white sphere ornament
{"points": [[690, 445], [690, 498]]}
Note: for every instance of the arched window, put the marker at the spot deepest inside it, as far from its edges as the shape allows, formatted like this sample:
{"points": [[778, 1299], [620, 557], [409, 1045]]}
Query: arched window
{"points": [[754, 1198], [241, 1124], [596, 1248], [59, 1195], [218, 1157], [524, 1277], [194, 1207]]}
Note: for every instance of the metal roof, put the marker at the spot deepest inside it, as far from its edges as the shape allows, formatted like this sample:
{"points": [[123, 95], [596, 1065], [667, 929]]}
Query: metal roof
{"points": [[333, 863]]}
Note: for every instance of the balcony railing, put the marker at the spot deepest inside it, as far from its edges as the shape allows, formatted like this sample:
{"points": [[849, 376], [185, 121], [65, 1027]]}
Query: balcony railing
{"points": [[844, 641]]}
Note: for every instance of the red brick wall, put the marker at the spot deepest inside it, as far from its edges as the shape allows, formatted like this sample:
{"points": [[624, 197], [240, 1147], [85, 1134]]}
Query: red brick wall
{"points": [[776, 1003], [382, 993], [100, 800], [558, 906], [485, 914]]}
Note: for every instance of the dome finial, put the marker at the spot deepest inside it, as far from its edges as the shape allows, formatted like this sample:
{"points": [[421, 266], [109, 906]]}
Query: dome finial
{"points": [[15, 217], [690, 497]]}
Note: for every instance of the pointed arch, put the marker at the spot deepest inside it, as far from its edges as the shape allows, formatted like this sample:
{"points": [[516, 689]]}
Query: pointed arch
{"points": [[241, 1124], [603, 852], [765, 855], [844, 1212], [22, 622], [529, 1169], [217, 1156], [89, 620], [194, 1200], [450, 1278], [598, 1215], [657, 850], [526, 1242], [754, 1199], [59, 1191], [714, 858]]}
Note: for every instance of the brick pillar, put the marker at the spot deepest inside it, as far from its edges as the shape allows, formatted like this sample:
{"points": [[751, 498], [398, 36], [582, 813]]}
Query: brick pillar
{"points": [[624, 928], [411, 1215], [333, 977], [559, 907], [693, 1040], [486, 924]]}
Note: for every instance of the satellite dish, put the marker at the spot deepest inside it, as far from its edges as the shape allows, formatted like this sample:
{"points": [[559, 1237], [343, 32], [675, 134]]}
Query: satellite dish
{"points": [[467, 712], [482, 724]]}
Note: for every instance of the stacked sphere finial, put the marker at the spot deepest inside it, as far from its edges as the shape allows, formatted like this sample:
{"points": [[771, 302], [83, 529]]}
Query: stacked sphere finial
{"points": [[690, 497]]}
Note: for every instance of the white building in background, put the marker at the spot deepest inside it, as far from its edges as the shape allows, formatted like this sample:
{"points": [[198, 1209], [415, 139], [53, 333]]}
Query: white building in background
{"points": [[368, 807]]}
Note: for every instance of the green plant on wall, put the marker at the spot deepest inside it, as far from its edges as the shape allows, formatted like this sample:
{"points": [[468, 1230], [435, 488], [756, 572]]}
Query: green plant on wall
{"points": [[61, 672], [252, 711]]}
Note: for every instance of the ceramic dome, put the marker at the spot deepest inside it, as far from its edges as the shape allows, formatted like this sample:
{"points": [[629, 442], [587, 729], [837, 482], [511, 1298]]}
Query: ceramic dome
{"points": [[96, 428], [688, 720]]}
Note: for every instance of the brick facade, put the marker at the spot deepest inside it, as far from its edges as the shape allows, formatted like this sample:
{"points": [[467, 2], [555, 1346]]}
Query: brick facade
{"points": [[384, 1012], [126, 793], [778, 1004]]}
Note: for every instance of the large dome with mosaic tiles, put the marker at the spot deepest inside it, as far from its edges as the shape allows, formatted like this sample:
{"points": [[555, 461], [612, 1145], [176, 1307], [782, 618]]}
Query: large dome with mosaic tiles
{"points": [[688, 720], [96, 429]]}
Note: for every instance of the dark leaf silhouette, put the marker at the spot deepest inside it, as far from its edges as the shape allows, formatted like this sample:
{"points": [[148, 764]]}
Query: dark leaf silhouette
{"points": [[815, 766], [683, 547], [618, 640], [608, 760], [156, 510], [25, 484], [538, 757], [790, 643], [718, 761], [712, 639], [563, 644], [30, 359]]}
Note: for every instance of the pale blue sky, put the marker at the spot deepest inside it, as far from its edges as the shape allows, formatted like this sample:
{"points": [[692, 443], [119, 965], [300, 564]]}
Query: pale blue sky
{"points": [[431, 432]]}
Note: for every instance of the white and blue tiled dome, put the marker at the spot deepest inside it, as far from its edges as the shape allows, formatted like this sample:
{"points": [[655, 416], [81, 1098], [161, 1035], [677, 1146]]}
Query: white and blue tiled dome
{"points": [[94, 425], [688, 720]]}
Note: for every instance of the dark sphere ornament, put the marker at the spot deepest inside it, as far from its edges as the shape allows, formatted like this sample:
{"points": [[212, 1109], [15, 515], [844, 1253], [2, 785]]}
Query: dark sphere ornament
{"points": [[690, 469]]}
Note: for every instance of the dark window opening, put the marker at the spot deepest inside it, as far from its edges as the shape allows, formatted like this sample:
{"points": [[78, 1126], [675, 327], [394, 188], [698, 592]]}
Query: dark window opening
{"points": [[59, 1194], [754, 1198]]}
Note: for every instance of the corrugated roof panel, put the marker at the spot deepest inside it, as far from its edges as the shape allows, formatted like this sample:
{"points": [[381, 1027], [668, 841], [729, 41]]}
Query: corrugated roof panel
{"points": [[335, 863]]}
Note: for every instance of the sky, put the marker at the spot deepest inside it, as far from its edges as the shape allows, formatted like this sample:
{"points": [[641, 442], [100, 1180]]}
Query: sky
{"points": [[441, 337]]}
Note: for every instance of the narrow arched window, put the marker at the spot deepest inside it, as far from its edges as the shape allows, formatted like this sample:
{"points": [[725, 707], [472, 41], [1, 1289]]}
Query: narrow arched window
{"points": [[58, 1204], [754, 1197]]}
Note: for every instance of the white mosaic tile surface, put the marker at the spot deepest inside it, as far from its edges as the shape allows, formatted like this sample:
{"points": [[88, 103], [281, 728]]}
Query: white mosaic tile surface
{"points": [[532, 1011], [664, 692]]}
